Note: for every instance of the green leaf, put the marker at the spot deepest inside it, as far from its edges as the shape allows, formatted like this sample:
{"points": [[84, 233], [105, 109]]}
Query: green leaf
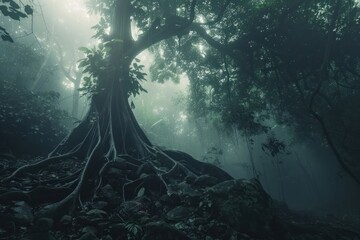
{"points": [[83, 64], [14, 15], [28, 10], [14, 5], [4, 10], [141, 192], [7, 38], [84, 49]]}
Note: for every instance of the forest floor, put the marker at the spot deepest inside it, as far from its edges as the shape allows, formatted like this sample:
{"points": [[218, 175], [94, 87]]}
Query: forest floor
{"points": [[197, 208]]}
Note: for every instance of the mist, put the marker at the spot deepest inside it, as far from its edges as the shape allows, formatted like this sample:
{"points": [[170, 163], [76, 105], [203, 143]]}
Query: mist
{"points": [[209, 107]]}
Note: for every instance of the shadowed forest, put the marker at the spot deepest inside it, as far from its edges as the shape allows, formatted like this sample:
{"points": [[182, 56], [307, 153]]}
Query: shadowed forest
{"points": [[179, 119]]}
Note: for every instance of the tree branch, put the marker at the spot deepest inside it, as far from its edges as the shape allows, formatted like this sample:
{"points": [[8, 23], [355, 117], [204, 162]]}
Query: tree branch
{"points": [[211, 41], [220, 14], [62, 65], [174, 25]]}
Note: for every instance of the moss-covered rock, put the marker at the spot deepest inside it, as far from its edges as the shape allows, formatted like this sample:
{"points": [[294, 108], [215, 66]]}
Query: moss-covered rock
{"points": [[243, 204]]}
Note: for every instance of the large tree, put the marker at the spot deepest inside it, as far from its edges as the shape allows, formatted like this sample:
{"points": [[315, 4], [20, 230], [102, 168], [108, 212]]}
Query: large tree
{"points": [[109, 135]]}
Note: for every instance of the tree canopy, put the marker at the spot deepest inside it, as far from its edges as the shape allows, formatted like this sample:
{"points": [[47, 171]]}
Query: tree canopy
{"points": [[294, 63], [253, 64]]}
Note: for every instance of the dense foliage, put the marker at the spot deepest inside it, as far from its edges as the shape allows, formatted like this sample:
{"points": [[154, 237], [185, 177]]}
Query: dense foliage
{"points": [[253, 64], [30, 122], [95, 66]]}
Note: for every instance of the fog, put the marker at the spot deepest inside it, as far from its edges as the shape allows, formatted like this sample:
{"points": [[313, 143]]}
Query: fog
{"points": [[306, 177]]}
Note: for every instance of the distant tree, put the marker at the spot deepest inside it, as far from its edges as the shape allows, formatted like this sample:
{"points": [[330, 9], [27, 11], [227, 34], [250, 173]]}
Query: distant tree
{"points": [[30, 123], [74, 75]]}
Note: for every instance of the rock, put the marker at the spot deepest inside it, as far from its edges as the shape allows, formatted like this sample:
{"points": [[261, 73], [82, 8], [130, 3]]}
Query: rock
{"points": [[162, 231], [97, 213], [7, 226], [118, 231], [66, 220], [145, 168], [42, 236], [43, 224], [107, 237], [89, 229], [243, 204], [188, 190], [190, 179], [158, 204], [175, 199], [100, 205], [22, 214], [153, 187], [171, 200], [219, 231], [165, 199], [199, 221], [6, 221], [205, 181], [109, 195], [114, 172], [130, 208], [108, 192], [88, 236], [179, 213], [193, 198]]}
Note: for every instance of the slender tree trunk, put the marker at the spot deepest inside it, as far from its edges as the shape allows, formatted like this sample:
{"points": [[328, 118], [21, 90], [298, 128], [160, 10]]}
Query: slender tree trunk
{"points": [[281, 180], [35, 86], [76, 96]]}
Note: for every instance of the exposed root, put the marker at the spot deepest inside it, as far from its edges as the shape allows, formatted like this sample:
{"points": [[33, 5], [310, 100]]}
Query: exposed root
{"points": [[108, 143], [29, 168], [110, 138], [37, 196]]}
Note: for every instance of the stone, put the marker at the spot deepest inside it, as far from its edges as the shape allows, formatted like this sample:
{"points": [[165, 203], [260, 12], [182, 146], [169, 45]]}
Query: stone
{"points": [[89, 229], [100, 205], [145, 168], [243, 204], [66, 220], [97, 213], [114, 172], [42, 236], [108, 192], [118, 231], [162, 231], [22, 214], [205, 181], [43, 224], [219, 231], [107, 237], [88, 236], [190, 179], [179, 213]]}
